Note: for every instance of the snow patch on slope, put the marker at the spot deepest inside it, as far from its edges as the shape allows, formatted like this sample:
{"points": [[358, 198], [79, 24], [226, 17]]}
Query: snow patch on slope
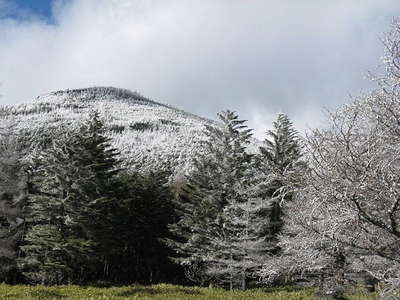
{"points": [[149, 135]]}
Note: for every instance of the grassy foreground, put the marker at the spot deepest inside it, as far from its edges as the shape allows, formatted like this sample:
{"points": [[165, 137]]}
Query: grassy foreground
{"points": [[155, 292]]}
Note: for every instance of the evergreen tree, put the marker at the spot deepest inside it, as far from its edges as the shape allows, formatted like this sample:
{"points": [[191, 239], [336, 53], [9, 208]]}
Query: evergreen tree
{"points": [[217, 184], [278, 160], [141, 219], [72, 194], [237, 248], [98, 190], [52, 255], [13, 193]]}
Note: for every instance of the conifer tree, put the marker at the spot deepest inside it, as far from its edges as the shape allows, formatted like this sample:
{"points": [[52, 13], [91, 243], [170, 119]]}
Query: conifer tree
{"points": [[215, 190], [72, 195], [145, 208], [278, 161], [13, 193], [237, 248], [98, 188]]}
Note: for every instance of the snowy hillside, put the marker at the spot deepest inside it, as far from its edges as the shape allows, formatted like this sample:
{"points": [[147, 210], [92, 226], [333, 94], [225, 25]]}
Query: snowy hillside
{"points": [[147, 133]]}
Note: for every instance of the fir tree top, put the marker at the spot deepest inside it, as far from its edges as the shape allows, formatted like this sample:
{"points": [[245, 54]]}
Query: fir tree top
{"points": [[282, 146]]}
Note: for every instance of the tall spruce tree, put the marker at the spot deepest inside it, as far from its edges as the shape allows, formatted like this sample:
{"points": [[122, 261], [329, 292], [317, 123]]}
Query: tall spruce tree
{"points": [[215, 191], [278, 160], [72, 196], [237, 247]]}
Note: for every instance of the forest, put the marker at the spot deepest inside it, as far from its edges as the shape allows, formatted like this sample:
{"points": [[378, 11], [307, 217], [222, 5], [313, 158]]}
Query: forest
{"points": [[320, 210]]}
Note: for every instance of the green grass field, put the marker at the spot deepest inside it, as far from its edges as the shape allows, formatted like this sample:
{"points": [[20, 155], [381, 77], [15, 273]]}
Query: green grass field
{"points": [[155, 292]]}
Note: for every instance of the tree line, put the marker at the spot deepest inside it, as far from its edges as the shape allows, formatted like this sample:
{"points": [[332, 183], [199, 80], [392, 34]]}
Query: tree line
{"points": [[70, 213]]}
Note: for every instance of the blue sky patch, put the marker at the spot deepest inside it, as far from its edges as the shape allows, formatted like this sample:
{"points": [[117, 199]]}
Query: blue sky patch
{"points": [[24, 8]]}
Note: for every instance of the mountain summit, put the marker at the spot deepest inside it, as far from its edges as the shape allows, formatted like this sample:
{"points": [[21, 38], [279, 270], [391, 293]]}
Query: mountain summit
{"points": [[149, 134]]}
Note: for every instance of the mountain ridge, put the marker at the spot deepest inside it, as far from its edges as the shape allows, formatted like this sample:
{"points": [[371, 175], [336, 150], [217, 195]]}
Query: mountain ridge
{"points": [[149, 134], [120, 94]]}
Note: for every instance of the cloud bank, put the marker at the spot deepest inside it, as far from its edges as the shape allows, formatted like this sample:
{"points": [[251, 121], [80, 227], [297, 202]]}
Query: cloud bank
{"points": [[257, 57]]}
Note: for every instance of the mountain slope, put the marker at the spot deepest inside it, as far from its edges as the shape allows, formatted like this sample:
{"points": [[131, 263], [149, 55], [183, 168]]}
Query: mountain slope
{"points": [[149, 134]]}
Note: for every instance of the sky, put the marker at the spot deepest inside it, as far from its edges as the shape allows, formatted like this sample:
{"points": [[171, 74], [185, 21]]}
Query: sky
{"points": [[20, 9], [258, 57]]}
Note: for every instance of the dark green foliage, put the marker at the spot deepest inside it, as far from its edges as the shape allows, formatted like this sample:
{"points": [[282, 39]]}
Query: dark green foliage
{"points": [[52, 256], [72, 189], [13, 193], [142, 126], [140, 223], [169, 122], [117, 128], [87, 220]]}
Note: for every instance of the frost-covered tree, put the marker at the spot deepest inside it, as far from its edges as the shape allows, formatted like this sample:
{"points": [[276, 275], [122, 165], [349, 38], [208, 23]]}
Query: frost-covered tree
{"points": [[346, 216], [214, 202], [72, 195], [237, 246], [279, 160]]}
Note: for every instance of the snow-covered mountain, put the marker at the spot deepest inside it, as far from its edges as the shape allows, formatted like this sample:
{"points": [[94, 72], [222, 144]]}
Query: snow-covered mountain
{"points": [[147, 133]]}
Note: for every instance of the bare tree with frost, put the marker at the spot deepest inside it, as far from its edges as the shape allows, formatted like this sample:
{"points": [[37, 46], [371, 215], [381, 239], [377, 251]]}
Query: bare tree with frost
{"points": [[346, 216]]}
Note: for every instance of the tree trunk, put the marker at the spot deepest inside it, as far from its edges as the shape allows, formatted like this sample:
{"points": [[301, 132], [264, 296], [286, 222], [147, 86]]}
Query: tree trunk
{"points": [[333, 287], [243, 280], [231, 274], [370, 283]]}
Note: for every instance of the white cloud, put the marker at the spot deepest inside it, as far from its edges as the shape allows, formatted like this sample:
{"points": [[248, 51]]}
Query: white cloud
{"points": [[257, 57]]}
